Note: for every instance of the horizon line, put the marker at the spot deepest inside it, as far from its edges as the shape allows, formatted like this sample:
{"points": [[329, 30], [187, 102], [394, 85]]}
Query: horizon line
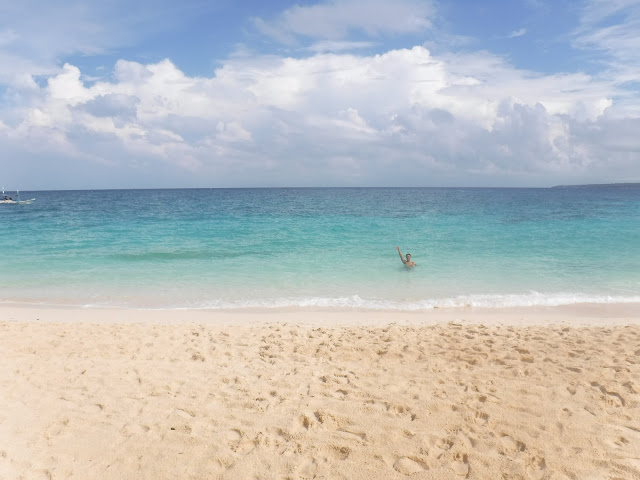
{"points": [[327, 187]]}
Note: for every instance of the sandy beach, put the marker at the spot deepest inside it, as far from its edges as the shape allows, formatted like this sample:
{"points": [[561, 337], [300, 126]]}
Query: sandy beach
{"points": [[546, 393]]}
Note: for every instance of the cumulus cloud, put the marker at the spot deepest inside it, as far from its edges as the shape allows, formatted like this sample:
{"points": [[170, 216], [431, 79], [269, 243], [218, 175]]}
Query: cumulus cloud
{"points": [[337, 115], [115, 105], [403, 117]]}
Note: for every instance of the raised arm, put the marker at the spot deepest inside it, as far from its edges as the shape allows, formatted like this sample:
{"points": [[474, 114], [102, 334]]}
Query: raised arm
{"points": [[401, 257]]}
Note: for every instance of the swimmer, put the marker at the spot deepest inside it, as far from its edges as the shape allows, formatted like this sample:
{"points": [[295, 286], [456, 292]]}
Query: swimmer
{"points": [[407, 263]]}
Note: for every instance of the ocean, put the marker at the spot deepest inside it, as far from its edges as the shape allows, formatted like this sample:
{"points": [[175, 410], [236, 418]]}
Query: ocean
{"points": [[323, 247]]}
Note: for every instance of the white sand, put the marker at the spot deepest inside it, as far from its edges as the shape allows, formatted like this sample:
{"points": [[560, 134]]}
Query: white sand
{"points": [[507, 394]]}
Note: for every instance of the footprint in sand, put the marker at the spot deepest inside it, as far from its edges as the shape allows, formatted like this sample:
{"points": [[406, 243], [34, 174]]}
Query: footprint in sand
{"points": [[535, 468], [408, 466], [400, 410], [342, 453], [481, 418], [239, 443], [55, 429], [460, 465], [130, 430], [341, 393], [466, 441], [617, 442], [444, 443], [510, 445], [304, 423], [277, 439], [612, 399], [197, 356], [476, 402], [233, 436], [308, 469]]}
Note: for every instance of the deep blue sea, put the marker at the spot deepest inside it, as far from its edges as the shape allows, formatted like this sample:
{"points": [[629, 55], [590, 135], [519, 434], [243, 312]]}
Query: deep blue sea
{"points": [[324, 247]]}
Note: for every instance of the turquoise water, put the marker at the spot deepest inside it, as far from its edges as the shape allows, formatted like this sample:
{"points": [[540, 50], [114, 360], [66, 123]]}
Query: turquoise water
{"points": [[229, 248]]}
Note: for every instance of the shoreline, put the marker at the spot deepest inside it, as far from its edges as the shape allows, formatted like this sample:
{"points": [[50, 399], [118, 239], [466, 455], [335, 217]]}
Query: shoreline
{"points": [[348, 303], [576, 314]]}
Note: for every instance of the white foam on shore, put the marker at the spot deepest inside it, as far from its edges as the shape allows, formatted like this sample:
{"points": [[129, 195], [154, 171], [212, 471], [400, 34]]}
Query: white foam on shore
{"points": [[353, 302], [532, 299]]}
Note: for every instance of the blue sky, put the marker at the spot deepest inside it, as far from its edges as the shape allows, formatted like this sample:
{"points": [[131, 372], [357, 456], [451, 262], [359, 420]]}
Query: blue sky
{"points": [[318, 93]]}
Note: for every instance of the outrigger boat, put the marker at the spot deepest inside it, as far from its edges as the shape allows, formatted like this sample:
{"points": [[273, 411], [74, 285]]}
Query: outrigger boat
{"points": [[7, 199]]}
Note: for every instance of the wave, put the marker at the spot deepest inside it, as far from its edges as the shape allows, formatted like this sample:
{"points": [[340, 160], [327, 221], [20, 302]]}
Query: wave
{"points": [[531, 299], [354, 302]]}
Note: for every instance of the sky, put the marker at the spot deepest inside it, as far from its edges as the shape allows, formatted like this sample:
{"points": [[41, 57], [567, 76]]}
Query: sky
{"points": [[222, 93]]}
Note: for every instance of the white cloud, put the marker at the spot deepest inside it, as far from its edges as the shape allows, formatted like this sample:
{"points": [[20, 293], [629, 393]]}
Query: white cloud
{"points": [[232, 132], [335, 116], [338, 46], [36, 34], [334, 119], [336, 19], [517, 33], [612, 27], [67, 86]]}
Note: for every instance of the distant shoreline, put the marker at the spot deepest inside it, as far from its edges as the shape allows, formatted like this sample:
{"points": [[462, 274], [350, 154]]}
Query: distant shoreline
{"points": [[599, 185]]}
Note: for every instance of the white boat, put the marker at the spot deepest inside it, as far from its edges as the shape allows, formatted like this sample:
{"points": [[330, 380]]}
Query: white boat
{"points": [[7, 199]]}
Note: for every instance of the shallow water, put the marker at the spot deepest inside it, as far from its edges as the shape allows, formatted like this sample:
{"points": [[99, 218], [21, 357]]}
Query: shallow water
{"points": [[227, 248]]}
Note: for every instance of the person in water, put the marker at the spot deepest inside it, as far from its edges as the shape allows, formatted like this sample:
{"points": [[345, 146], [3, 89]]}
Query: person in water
{"points": [[407, 262]]}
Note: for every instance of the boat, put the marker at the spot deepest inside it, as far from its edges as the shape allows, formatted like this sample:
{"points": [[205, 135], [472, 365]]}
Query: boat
{"points": [[7, 199]]}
